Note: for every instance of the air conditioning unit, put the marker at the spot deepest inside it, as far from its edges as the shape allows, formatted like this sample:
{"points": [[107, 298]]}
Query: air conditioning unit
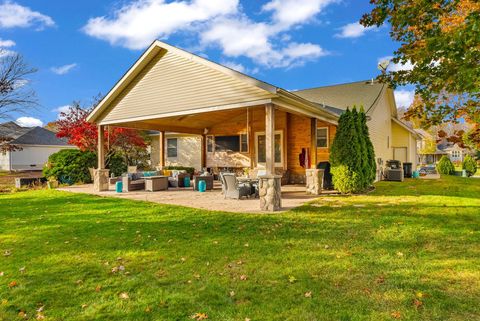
{"points": [[394, 171]]}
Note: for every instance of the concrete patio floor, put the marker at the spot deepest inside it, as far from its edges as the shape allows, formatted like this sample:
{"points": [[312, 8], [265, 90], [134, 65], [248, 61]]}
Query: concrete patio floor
{"points": [[292, 196]]}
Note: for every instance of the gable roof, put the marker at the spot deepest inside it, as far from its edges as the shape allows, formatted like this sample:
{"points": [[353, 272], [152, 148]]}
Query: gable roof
{"points": [[360, 93], [30, 135], [240, 89]]}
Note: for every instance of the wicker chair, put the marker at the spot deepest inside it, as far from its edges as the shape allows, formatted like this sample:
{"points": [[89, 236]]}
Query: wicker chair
{"points": [[234, 189]]}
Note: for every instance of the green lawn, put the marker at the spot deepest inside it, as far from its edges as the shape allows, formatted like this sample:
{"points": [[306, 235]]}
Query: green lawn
{"points": [[407, 251]]}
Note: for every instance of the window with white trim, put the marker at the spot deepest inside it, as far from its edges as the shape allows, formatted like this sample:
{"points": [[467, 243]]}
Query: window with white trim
{"points": [[322, 137], [260, 146]]}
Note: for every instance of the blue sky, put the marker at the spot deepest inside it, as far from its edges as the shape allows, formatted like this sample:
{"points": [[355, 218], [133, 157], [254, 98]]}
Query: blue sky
{"points": [[81, 48]]}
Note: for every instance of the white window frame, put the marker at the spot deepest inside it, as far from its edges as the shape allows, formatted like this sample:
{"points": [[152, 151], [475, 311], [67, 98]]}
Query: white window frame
{"points": [[281, 149], [328, 135], [248, 143], [176, 147]]}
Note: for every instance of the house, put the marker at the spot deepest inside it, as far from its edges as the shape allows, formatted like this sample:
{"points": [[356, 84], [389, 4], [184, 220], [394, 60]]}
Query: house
{"points": [[431, 149], [36, 144], [391, 138], [242, 122]]}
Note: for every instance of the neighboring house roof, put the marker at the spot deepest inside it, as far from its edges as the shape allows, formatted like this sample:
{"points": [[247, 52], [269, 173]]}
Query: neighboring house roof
{"points": [[361, 93], [30, 135]]}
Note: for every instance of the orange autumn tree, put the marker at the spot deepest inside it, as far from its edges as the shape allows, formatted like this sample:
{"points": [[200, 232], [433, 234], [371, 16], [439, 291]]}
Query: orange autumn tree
{"points": [[441, 39]]}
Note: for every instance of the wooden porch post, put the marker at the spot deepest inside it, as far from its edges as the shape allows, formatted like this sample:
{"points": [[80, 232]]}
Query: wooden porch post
{"points": [[204, 151], [162, 149], [100, 175], [313, 152], [270, 139], [101, 147]]}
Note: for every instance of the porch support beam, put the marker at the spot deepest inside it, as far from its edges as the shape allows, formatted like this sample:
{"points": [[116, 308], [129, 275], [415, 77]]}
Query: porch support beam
{"points": [[101, 147], [161, 147], [160, 127], [100, 175], [204, 151], [313, 153], [270, 139]]}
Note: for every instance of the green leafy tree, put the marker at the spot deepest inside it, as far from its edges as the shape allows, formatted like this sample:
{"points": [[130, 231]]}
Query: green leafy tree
{"points": [[371, 165], [469, 165], [445, 166], [441, 41]]}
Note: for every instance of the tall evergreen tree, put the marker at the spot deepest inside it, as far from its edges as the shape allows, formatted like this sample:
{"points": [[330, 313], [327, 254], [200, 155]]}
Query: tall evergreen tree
{"points": [[371, 159], [351, 155]]}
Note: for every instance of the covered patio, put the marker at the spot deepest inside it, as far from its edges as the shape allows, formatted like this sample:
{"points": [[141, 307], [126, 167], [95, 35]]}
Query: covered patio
{"points": [[274, 132], [292, 196]]}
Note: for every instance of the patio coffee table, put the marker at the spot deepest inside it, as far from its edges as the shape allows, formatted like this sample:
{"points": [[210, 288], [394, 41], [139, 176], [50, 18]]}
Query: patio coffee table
{"points": [[156, 183]]}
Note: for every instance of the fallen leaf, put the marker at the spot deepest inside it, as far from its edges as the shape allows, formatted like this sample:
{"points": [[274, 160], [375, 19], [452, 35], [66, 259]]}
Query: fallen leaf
{"points": [[7, 253], [98, 288], [308, 294], [292, 279], [84, 306], [40, 316], [78, 282], [246, 245], [1, 273], [12, 284], [124, 296], [417, 303], [22, 270], [243, 277], [199, 316], [22, 315], [396, 315], [232, 293], [148, 309], [40, 309]]}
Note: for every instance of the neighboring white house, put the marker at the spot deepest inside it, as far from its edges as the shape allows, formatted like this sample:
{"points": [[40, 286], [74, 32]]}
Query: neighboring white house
{"points": [[36, 143]]}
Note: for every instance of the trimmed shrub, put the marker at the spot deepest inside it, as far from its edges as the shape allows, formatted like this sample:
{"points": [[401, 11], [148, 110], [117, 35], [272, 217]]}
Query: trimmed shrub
{"points": [[189, 170], [469, 165], [70, 166], [351, 155], [445, 166], [345, 180]]}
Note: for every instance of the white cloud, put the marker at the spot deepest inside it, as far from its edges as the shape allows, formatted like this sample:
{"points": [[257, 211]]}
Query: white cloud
{"points": [[6, 43], [62, 109], [235, 38], [136, 25], [353, 30], [62, 70], [29, 122], [404, 98], [219, 23], [235, 66], [397, 66], [287, 13], [14, 15]]}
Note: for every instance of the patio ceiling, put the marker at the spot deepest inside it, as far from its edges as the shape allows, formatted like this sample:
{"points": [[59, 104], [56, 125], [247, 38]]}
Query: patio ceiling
{"points": [[189, 124]]}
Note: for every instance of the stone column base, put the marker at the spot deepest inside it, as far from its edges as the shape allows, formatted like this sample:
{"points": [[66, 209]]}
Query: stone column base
{"points": [[100, 180], [314, 181], [270, 192]]}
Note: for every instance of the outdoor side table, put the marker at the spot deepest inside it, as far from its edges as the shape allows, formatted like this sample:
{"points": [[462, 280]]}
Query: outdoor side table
{"points": [[156, 183]]}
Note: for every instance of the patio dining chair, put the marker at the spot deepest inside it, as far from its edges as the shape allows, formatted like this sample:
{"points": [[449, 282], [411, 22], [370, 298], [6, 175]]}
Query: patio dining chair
{"points": [[234, 189]]}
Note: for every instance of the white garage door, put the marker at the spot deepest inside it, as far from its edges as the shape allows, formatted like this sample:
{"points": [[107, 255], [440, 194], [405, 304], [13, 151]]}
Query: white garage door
{"points": [[400, 153]]}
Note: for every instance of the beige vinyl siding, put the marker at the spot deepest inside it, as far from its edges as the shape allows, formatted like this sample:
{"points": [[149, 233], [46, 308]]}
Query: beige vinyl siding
{"points": [[171, 83], [380, 129], [188, 151]]}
